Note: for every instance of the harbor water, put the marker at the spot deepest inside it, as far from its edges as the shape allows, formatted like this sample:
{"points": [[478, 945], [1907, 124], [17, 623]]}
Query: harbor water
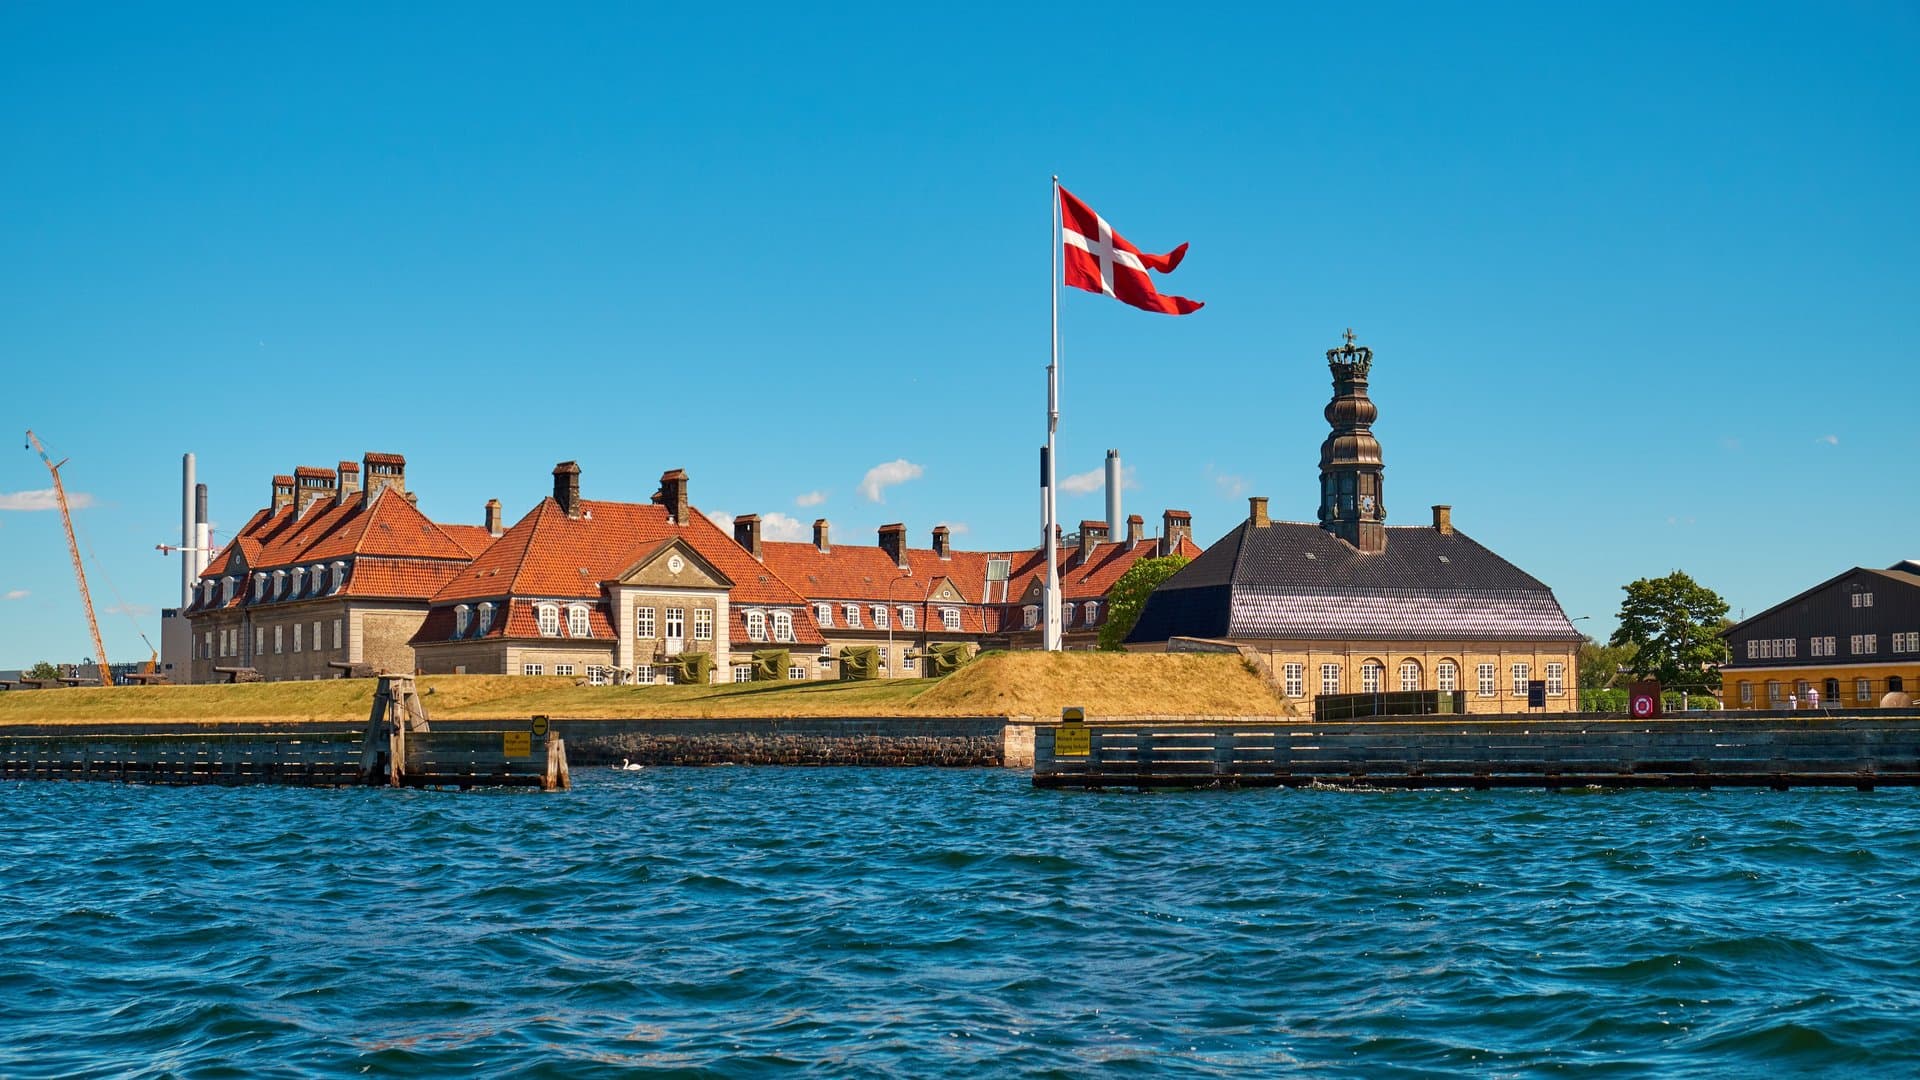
{"points": [[913, 922]]}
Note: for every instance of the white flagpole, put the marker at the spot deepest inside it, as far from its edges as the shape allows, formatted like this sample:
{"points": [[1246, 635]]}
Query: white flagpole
{"points": [[1050, 636]]}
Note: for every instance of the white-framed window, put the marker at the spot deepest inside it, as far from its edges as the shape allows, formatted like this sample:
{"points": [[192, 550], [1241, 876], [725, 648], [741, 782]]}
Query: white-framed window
{"points": [[1865, 644], [676, 623], [1296, 679], [643, 674], [1329, 678], [1862, 689], [277, 640], [577, 621], [1556, 679], [1774, 696], [596, 675], [852, 612], [563, 669], [259, 587], [906, 618], [884, 657], [1866, 599], [826, 656], [548, 617], [279, 584], [643, 623], [950, 618], [907, 661], [703, 624], [1753, 648], [756, 626], [339, 575], [295, 578], [796, 672], [880, 617], [461, 613], [1446, 676], [743, 673], [1369, 678], [1485, 673], [1521, 672], [227, 586], [1409, 675], [1906, 642], [783, 626], [1066, 613], [531, 669], [823, 614], [259, 640], [1031, 616], [486, 623], [1093, 612], [1746, 692]]}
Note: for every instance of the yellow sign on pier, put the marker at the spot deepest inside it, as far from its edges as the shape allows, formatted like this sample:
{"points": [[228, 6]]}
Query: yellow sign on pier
{"points": [[517, 744], [1070, 738]]}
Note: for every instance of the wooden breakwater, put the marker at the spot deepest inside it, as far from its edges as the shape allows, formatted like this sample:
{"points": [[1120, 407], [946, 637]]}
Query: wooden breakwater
{"points": [[397, 747], [1778, 751]]}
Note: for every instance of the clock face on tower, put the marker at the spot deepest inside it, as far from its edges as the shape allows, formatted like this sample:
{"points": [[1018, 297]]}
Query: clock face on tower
{"points": [[1366, 504]]}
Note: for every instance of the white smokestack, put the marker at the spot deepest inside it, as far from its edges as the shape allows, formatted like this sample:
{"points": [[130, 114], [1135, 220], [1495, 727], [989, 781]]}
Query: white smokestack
{"points": [[188, 533], [1113, 491], [202, 531]]}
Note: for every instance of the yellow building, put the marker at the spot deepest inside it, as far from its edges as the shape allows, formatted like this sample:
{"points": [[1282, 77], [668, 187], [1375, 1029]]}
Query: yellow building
{"points": [[1852, 641]]}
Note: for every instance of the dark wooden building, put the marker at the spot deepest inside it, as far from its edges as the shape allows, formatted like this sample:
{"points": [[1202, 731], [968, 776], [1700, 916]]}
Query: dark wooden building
{"points": [[1853, 639]]}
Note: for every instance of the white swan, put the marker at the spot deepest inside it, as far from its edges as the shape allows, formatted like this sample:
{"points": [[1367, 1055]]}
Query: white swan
{"points": [[627, 766]]}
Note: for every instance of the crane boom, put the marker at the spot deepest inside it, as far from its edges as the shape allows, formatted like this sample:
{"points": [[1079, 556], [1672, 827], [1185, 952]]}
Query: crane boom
{"points": [[79, 571]]}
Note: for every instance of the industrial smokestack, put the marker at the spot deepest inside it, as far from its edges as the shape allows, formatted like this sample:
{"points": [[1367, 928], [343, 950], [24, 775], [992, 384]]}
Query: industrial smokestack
{"points": [[187, 530], [202, 532], [1113, 489]]}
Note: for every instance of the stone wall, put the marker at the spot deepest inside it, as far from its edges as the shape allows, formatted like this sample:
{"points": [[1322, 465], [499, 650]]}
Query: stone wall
{"points": [[881, 741]]}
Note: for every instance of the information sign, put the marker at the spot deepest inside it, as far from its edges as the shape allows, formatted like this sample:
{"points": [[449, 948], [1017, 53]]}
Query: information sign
{"points": [[517, 744]]}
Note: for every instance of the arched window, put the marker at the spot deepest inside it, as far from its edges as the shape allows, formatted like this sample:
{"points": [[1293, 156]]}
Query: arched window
{"points": [[259, 586], [548, 616], [279, 584], [577, 621], [783, 626], [339, 575], [1066, 614], [317, 579], [950, 618], [1093, 612], [1446, 675], [756, 626], [486, 618], [461, 614], [295, 578], [1409, 675], [1032, 615], [228, 585], [1370, 677], [906, 617]]}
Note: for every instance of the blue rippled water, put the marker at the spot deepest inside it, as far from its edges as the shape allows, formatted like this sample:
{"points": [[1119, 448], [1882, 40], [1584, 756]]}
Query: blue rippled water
{"points": [[922, 923]]}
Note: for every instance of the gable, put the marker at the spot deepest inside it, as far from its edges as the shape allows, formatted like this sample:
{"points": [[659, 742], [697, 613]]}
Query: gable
{"points": [[675, 565], [945, 592]]}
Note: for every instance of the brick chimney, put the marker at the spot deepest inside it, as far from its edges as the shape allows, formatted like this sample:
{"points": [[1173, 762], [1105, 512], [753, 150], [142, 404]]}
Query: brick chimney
{"points": [[494, 527], [893, 541], [746, 533], [1443, 520], [1257, 512], [943, 541], [566, 487], [282, 493], [311, 484], [820, 535], [383, 471], [349, 479], [1136, 530], [1175, 526], [1091, 533], [673, 495]]}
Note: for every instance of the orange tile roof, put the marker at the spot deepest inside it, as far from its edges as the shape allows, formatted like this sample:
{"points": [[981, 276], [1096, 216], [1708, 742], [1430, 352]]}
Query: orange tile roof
{"points": [[1092, 579], [867, 572]]}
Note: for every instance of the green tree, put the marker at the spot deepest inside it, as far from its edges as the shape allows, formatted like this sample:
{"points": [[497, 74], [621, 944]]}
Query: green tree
{"points": [[1673, 624], [1129, 597], [43, 670], [1600, 664]]}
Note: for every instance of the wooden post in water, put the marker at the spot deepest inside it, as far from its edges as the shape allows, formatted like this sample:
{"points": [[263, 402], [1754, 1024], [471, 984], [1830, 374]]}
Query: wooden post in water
{"points": [[396, 711]]}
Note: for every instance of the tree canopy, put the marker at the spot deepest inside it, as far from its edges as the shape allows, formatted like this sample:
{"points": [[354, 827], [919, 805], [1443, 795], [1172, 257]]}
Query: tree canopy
{"points": [[1673, 624], [1600, 664], [1129, 597], [43, 670]]}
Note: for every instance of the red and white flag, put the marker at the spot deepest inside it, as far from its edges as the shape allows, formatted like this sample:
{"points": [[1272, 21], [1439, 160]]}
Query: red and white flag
{"points": [[1100, 260]]}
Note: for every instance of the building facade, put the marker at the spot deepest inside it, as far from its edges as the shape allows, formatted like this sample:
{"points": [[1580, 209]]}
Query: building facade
{"points": [[1350, 604], [1852, 640]]}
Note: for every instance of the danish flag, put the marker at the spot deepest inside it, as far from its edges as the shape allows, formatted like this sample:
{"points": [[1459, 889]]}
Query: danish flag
{"points": [[1100, 260]]}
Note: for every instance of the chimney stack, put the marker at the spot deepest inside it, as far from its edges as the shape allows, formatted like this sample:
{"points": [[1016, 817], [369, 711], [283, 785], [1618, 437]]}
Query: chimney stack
{"points": [[820, 535], [282, 493], [493, 518], [1091, 534], [311, 484], [566, 487], [1175, 526], [1443, 520], [202, 532], [188, 495], [349, 479], [893, 541], [383, 471], [746, 533], [943, 541], [1114, 480], [673, 495], [1136, 530], [1257, 511]]}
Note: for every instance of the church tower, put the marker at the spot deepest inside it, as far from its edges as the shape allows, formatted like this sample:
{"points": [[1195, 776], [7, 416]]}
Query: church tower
{"points": [[1351, 505]]}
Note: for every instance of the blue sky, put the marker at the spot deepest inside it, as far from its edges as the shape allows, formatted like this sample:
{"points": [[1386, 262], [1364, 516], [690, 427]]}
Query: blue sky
{"points": [[1641, 281]]}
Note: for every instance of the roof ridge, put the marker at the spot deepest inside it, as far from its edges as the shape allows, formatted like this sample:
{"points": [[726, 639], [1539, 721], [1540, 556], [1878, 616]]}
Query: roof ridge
{"points": [[533, 533]]}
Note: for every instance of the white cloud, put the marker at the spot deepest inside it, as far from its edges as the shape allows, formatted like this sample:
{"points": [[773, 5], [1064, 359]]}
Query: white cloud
{"points": [[883, 476], [17, 594], [1229, 485], [958, 528], [1830, 440], [722, 519], [42, 500], [1095, 479], [811, 498], [137, 611], [778, 526]]}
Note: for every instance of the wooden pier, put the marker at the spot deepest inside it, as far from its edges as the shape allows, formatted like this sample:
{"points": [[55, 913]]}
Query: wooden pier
{"points": [[396, 748], [1778, 751]]}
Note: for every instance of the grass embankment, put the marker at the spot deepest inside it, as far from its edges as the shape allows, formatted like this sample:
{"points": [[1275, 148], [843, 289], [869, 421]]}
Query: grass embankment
{"points": [[997, 684]]}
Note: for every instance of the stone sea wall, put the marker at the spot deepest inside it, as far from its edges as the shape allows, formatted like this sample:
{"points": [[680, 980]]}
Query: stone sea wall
{"points": [[883, 741]]}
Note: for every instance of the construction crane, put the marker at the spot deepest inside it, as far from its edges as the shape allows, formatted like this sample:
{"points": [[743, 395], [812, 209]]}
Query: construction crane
{"points": [[73, 548]]}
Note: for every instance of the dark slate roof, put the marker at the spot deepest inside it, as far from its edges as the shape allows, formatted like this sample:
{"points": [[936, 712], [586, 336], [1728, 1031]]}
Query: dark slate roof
{"points": [[1293, 580]]}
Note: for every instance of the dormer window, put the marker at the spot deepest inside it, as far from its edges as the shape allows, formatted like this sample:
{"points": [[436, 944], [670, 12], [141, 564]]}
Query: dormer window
{"points": [[548, 617], [853, 615], [756, 626], [879, 616], [906, 617], [461, 616], [1093, 612], [206, 592], [279, 584], [228, 585], [823, 614], [783, 626], [259, 586], [1066, 614], [1032, 616], [950, 618], [486, 618], [339, 576], [577, 621], [295, 577]]}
